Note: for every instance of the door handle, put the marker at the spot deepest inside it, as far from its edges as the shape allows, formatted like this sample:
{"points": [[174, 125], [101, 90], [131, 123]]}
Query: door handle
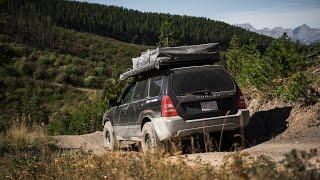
{"points": [[140, 106]]}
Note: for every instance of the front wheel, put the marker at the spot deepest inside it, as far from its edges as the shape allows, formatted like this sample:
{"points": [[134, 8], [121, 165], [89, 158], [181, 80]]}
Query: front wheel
{"points": [[109, 140], [150, 140]]}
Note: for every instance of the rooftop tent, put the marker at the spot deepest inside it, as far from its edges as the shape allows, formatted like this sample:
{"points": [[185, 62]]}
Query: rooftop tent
{"points": [[166, 57]]}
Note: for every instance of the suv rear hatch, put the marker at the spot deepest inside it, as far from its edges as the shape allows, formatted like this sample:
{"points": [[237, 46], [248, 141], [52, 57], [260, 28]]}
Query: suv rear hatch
{"points": [[203, 91]]}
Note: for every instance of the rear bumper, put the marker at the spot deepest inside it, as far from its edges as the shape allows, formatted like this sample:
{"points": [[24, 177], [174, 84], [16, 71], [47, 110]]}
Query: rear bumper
{"points": [[177, 127]]}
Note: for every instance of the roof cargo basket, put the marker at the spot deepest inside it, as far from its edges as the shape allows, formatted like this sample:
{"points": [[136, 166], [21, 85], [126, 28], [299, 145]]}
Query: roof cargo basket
{"points": [[171, 57]]}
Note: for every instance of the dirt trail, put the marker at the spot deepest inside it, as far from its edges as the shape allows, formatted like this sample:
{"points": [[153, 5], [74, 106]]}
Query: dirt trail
{"points": [[275, 129], [273, 149], [86, 90]]}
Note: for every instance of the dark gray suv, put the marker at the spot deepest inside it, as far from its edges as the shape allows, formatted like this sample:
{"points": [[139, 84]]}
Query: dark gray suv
{"points": [[177, 102]]}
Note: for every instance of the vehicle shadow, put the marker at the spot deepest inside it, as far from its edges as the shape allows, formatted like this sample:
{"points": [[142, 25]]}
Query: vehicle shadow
{"points": [[264, 125]]}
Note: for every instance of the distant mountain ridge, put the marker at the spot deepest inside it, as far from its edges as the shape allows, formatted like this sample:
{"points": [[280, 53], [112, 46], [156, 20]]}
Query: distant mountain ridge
{"points": [[303, 33]]}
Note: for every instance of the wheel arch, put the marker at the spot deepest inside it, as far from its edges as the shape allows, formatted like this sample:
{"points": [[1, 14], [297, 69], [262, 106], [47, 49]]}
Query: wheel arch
{"points": [[145, 120], [105, 120]]}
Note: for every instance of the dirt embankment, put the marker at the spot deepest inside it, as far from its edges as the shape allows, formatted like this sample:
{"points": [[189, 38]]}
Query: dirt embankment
{"points": [[275, 128]]}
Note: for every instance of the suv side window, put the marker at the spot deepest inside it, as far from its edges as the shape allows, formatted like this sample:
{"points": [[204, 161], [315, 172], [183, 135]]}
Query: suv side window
{"points": [[141, 90], [128, 97], [155, 86]]}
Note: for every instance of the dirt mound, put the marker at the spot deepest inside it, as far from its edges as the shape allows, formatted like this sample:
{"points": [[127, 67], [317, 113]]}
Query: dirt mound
{"points": [[282, 122], [303, 125]]}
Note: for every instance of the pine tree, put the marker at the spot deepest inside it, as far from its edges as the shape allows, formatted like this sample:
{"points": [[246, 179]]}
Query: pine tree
{"points": [[168, 33], [233, 55]]}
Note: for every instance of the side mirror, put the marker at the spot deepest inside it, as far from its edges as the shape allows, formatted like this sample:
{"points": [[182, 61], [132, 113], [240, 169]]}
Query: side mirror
{"points": [[113, 102]]}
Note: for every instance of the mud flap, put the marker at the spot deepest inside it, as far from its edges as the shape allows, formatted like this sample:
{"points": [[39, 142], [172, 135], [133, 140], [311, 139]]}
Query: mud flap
{"points": [[242, 131]]}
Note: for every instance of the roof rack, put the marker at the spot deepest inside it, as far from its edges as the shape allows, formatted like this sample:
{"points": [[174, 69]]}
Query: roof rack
{"points": [[172, 57]]}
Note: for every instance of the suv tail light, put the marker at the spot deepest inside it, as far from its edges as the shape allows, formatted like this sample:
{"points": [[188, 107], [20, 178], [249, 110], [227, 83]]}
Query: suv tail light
{"points": [[167, 107], [241, 101]]}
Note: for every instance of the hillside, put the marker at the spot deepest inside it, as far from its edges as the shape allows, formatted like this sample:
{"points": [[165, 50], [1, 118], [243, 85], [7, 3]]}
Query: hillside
{"points": [[120, 23], [57, 85]]}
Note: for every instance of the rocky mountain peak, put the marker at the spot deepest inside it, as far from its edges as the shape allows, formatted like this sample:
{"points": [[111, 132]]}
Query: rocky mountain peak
{"points": [[304, 33]]}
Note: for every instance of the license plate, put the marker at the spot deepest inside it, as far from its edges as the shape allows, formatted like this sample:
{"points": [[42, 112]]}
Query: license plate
{"points": [[209, 106]]}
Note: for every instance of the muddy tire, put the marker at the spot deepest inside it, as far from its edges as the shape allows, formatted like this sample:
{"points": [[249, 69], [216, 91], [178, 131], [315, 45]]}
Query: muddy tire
{"points": [[110, 142], [150, 141]]}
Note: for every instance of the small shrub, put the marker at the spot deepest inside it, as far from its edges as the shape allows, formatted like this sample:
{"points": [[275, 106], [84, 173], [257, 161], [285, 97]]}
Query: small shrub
{"points": [[92, 81], [295, 165], [91, 72], [100, 71], [112, 88], [46, 59], [10, 71], [68, 69], [68, 74], [60, 61], [24, 67], [51, 73], [6, 53], [295, 88], [84, 119], [298, 86], [298, 165], [62, 78], [61, 124], [40, 73], [75, 80]]}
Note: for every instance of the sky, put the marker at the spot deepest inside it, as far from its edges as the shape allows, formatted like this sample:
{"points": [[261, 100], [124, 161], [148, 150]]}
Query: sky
{"points": [[259, 13]]}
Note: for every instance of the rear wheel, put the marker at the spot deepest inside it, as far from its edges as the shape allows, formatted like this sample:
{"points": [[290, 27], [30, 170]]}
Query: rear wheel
{"points": [[109, 139], [150, 140]]}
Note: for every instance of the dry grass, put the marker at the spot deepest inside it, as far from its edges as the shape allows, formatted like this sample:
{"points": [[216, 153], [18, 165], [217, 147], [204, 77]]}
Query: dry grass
{"points": [[28, 154], [20, 135]]}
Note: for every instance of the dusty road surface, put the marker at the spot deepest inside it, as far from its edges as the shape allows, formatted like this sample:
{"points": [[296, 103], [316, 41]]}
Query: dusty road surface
{"points": [[273, 148], [273, 131], [88, 142], [274, 151]]}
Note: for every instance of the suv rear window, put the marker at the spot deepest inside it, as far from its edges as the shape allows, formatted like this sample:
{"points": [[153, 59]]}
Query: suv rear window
{"points": [[195, 79]]}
